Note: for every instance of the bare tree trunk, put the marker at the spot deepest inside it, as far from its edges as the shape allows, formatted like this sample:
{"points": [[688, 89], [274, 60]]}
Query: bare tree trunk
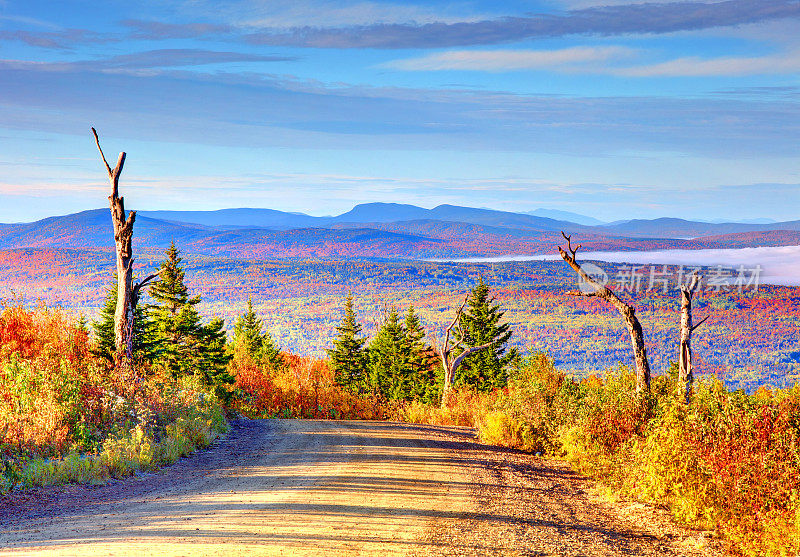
{"points": [[628, 313], [685, 377], [127, 292], [445, 350]]}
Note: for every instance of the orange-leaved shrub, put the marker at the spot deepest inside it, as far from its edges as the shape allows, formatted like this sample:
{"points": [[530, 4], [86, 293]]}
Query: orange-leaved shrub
{"points": [[463, 407], [302, 388], [58, 398]]}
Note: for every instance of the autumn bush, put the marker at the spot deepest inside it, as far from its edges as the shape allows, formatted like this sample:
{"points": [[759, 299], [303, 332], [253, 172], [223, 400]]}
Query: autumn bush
{"points": [[67, 415], [728, 461], [301, 388], [463, 407]]}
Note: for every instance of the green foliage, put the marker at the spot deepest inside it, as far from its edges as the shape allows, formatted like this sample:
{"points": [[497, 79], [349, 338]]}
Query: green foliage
{"points": [[389, 354], [185, 345], [348, 358], [251, 340], [145, 344], [486, 369], [401, 365], [426, 376], [213, 357]]}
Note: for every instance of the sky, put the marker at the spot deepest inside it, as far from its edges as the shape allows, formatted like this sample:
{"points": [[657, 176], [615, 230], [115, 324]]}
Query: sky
{"points": [[616, 109]]}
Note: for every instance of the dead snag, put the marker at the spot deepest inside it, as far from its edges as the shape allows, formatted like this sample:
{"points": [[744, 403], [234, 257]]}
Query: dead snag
{"points": [[453, 340], [127, 292], [685, 377], [628, 313]]}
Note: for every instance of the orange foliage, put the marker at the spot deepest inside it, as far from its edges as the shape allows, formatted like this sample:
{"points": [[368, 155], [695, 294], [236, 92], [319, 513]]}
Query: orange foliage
{"points": [[55, 395], [304, 389]]}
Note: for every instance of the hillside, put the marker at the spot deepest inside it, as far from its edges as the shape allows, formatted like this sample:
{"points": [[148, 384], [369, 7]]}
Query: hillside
{"points": [[680, 228], [383, 230]]}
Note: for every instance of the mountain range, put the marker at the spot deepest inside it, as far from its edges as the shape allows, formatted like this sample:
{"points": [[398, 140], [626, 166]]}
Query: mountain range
{"points": [[389, 230]]}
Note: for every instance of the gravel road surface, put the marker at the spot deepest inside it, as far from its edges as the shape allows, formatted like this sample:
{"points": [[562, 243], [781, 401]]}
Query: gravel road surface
{"points": [[305, 487]]}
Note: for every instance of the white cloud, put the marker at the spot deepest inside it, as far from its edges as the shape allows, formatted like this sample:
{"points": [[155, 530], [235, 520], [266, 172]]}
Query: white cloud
{"points": [[599, 60], [779, 265], [330, 13], [729, 66], [567, 59], [582, 4]]}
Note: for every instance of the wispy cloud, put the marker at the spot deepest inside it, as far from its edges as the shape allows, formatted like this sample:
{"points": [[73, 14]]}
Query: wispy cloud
{"points": [[727, 66], [150, 59], [165, 104], [57, 40], [341, 13], [372, 25], [506, 60], [156, 30], [598, 60], [603, 20]]}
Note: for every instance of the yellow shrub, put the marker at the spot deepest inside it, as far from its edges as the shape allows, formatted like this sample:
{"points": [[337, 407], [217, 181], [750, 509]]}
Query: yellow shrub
{"points": [[498, 428], [665, 469]]}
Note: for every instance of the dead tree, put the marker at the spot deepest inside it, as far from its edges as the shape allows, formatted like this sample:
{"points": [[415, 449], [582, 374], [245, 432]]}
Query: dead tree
{"points": [[454, 340], [685, 377], [127, 292], [628, 313]]}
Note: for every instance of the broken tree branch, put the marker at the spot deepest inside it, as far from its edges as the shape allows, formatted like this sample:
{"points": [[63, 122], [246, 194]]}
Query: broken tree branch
{"points": [[626, 310]]}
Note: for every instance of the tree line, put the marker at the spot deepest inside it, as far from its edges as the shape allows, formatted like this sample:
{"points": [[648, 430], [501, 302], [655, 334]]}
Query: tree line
{"points": [[398, 363]]}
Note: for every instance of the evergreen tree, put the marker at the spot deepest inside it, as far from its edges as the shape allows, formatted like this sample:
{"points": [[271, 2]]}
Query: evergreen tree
{"points": [[186, 346], [212, 359], [83, 324], [145, 345], [177, 323], [422, 364], [389, 356], [486, 369], [250, 339], [348, 357]]}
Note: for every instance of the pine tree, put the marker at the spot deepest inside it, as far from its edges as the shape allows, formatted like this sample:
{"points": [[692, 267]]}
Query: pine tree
{"points": [[145, 346], [424, 384], [348, 356], [177, 323], [250, 339], [486, 369], [213, 357], [389, 356], [186, 346]]}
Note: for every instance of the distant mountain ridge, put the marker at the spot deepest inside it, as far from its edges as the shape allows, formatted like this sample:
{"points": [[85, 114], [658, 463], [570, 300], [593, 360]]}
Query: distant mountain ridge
{"points": [[384, 230]]}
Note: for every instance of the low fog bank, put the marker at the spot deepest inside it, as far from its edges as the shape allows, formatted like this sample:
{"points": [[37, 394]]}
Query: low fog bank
{"points": [[780, 265]]}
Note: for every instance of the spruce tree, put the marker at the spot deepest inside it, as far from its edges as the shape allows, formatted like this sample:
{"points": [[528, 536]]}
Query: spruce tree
{"points": [[250, 339], [186, 346], [424, 383], [145, 345], [486, 369], [389, 356], [177, 323], [213, 357], [348, 357]]}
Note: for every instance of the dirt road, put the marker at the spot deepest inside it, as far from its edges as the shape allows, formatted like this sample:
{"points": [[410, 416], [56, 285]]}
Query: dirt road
{"points": [[298, 487]]}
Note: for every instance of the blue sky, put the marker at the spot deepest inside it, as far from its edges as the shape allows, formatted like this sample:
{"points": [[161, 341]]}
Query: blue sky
{"points": [[611, 108]]}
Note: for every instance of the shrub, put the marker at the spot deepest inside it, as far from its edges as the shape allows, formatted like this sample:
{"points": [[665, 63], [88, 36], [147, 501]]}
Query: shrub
{"points": [[729, 460], [302, 388], [66, 415]]}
